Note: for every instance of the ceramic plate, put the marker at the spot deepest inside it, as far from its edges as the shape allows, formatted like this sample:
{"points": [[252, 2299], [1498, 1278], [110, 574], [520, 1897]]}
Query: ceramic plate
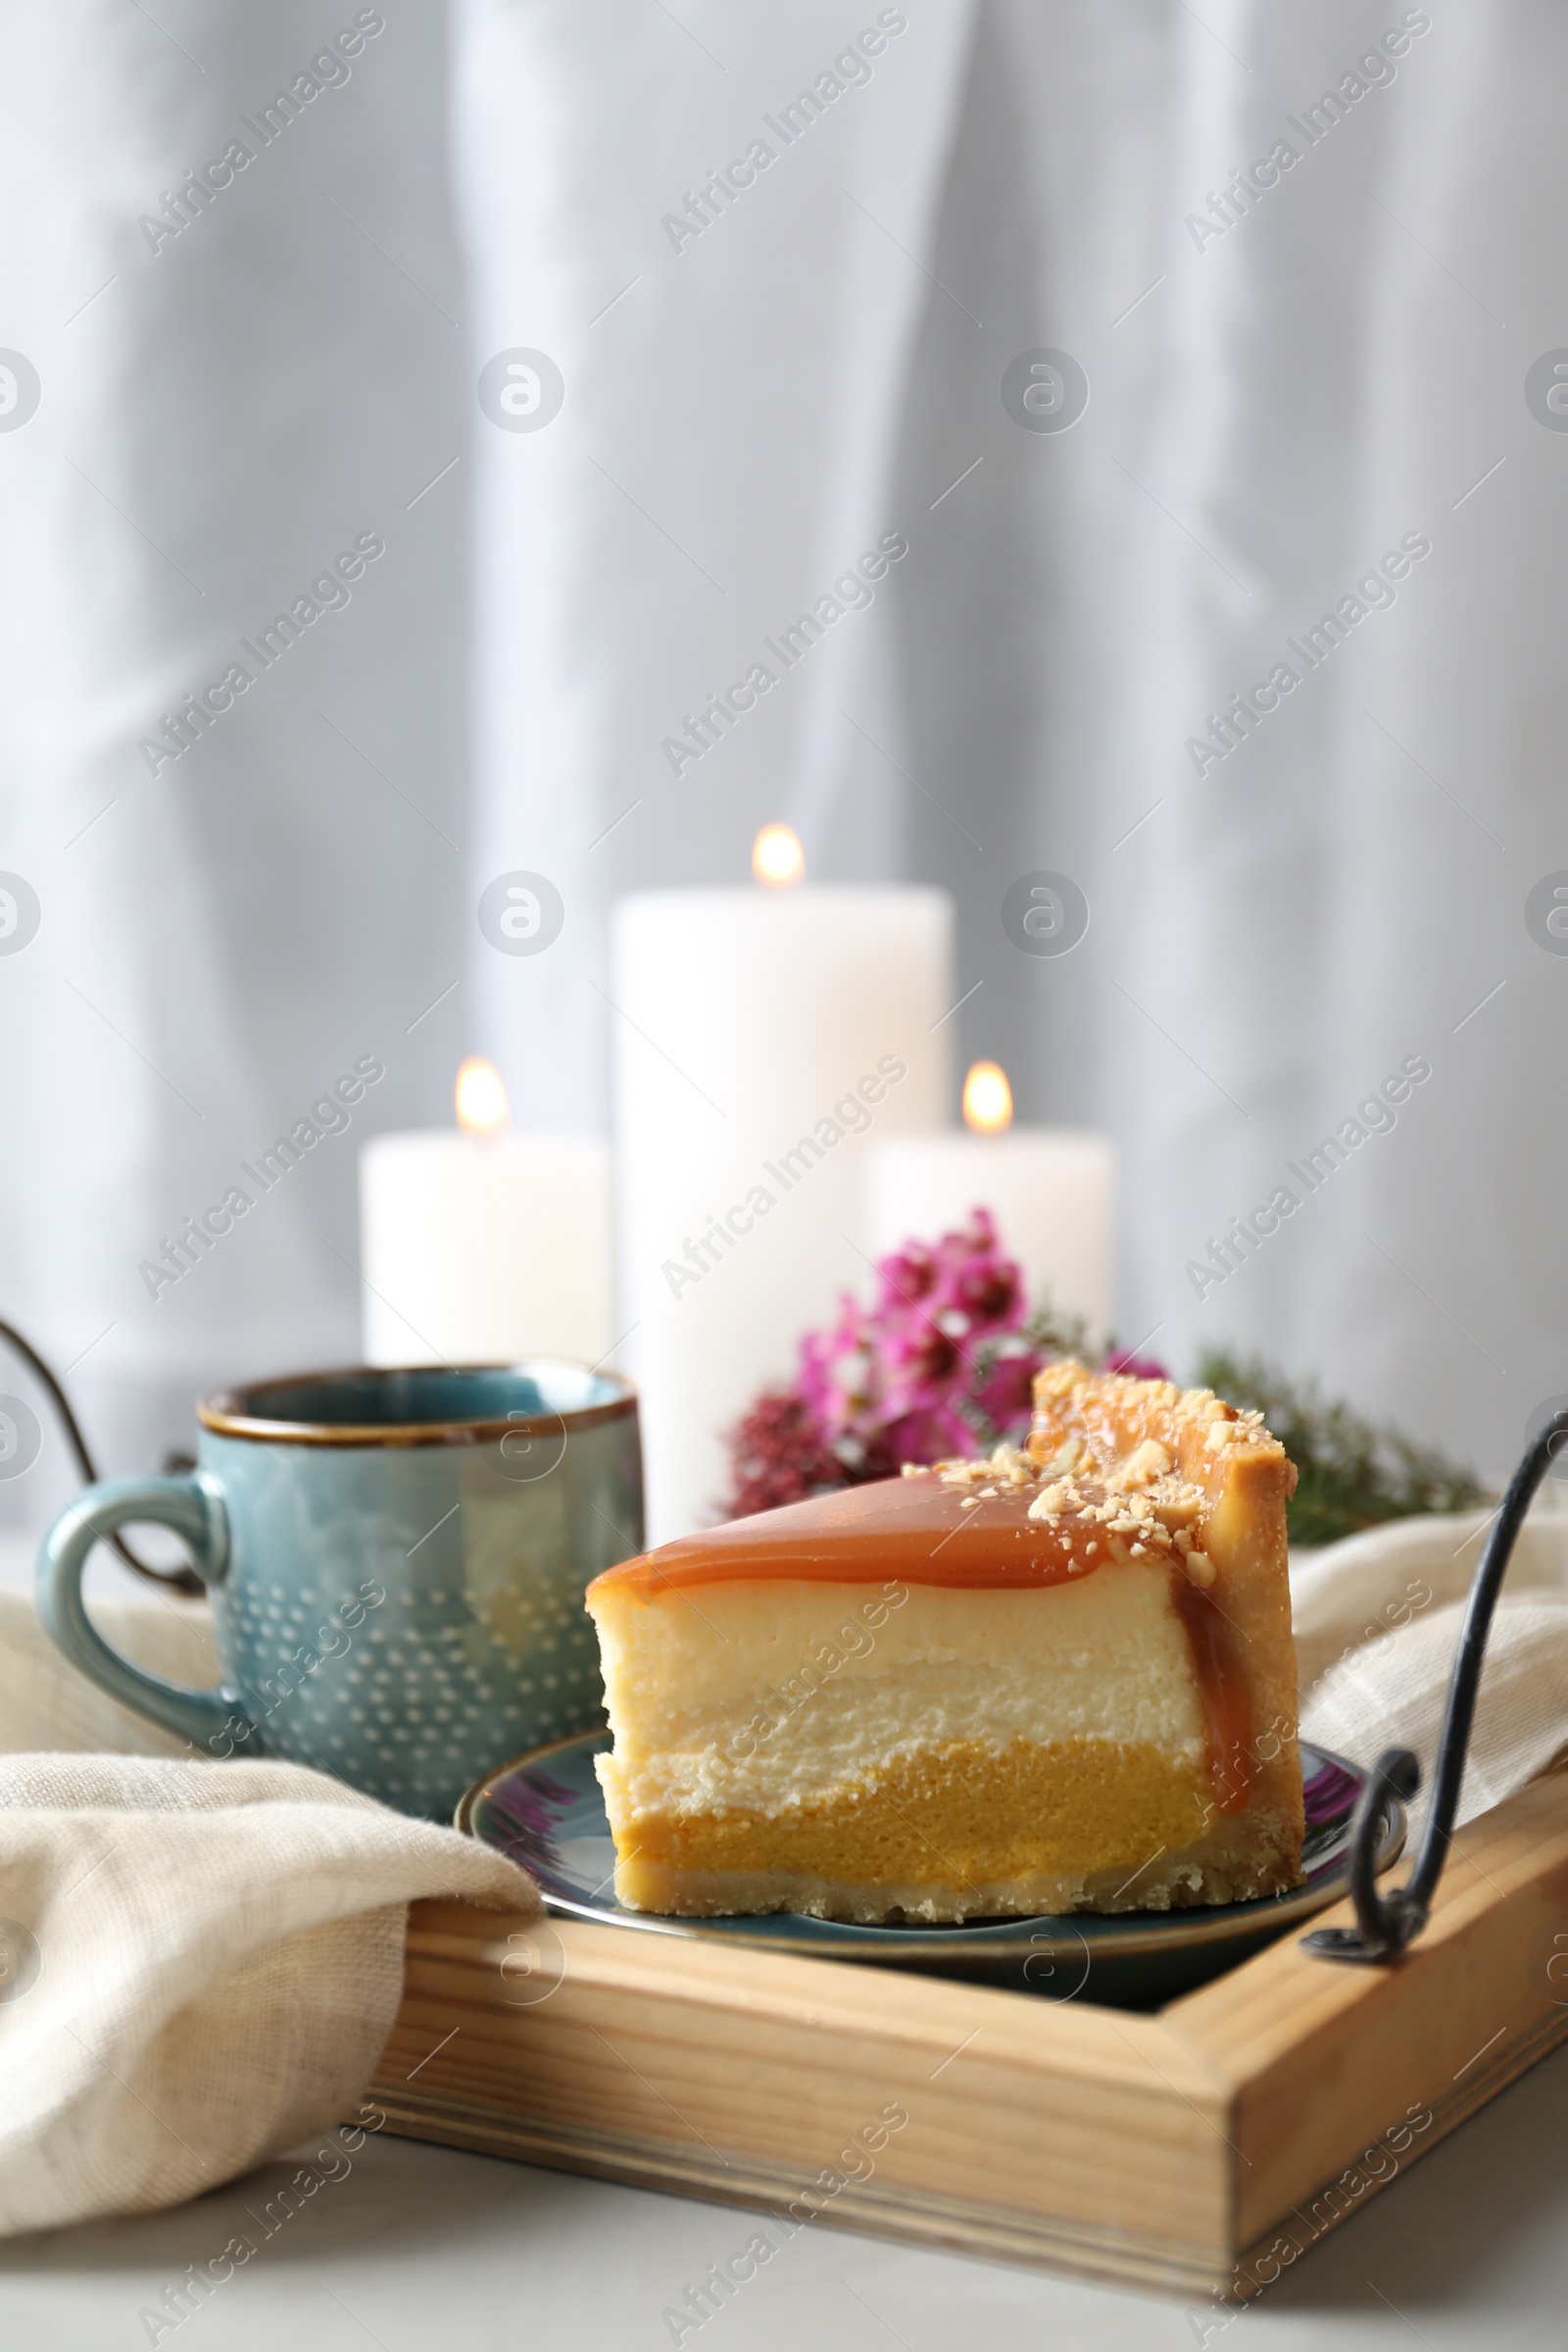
{"points": [[546, 1810]]}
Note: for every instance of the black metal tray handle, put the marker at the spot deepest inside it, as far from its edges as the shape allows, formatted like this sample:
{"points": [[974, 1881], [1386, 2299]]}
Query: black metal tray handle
{"points": [[180, 1580], [1387, 1924]]}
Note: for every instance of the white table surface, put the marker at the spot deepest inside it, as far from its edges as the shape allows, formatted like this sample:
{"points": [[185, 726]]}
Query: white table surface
{"points": [[420, 2246]]}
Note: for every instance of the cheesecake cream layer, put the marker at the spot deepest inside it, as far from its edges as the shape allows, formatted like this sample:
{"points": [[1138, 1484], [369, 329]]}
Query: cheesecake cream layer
{"points": [[721, 1703]]}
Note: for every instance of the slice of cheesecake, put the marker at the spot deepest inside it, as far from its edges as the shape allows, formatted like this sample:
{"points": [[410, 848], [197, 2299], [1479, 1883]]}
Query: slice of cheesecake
{"points": [[1055, 1680]]}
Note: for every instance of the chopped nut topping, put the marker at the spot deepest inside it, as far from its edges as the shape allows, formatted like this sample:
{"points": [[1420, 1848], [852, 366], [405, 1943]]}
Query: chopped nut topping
{"points": [[1175, 1503], [1179, 1447], [1063, 1460], [1147, 1463], [1133, 1466]]}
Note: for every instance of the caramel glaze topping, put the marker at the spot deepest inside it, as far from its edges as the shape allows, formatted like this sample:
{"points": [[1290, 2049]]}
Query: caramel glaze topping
{"points": [[1116, 1470]]}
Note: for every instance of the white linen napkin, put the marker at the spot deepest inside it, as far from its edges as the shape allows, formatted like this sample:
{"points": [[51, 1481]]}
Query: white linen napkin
{"points": [[199, 1962], [1378, 1617]]}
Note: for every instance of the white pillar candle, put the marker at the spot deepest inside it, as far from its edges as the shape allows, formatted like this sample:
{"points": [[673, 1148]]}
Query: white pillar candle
{"points": [[479, 1246], [763, 1038], [1051, 1190]]}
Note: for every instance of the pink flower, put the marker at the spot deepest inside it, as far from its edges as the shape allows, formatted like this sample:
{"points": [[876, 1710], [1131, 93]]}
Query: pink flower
{"points": [[905, 1278], [889, 1380], [938, 1364]]}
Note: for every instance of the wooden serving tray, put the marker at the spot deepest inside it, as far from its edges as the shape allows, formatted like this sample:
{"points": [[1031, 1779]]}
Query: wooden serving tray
{"points": [[1194, 2151]]}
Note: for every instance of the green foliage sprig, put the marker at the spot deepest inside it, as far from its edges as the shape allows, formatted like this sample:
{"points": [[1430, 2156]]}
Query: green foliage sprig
{"points": [[1350, 1473]]}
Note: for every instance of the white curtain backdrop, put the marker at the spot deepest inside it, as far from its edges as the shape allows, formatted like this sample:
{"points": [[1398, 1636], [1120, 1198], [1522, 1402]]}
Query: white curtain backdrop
{"points": [[1274, 405], [725, 449], [223, 411], [1272, 409]]}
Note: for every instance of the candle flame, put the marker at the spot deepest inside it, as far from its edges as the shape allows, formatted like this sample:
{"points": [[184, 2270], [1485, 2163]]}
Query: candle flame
{"points": [[777, 858], [482, 1107], [988, 1099]]}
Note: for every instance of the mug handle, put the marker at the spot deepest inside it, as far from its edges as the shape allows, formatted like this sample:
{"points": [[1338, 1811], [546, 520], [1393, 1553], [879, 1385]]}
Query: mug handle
{"points": [[193, 1507]]}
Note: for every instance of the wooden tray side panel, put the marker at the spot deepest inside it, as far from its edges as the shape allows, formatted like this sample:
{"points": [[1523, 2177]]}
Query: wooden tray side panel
{"points": [[933, 2109], [1344, 2074], [881, 2208]]}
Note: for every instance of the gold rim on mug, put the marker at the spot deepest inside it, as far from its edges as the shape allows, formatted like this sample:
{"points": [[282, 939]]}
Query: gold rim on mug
{"points": [[234, 1413]]}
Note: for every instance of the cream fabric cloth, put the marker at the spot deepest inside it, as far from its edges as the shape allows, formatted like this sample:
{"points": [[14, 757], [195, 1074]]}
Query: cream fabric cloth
{"points": [[199, 1962], [45, 1703], [1377, 1618]]}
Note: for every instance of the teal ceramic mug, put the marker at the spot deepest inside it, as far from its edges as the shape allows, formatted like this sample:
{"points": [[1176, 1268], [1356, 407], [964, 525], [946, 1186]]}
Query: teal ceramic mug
{"points": [[396, 1563]]}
